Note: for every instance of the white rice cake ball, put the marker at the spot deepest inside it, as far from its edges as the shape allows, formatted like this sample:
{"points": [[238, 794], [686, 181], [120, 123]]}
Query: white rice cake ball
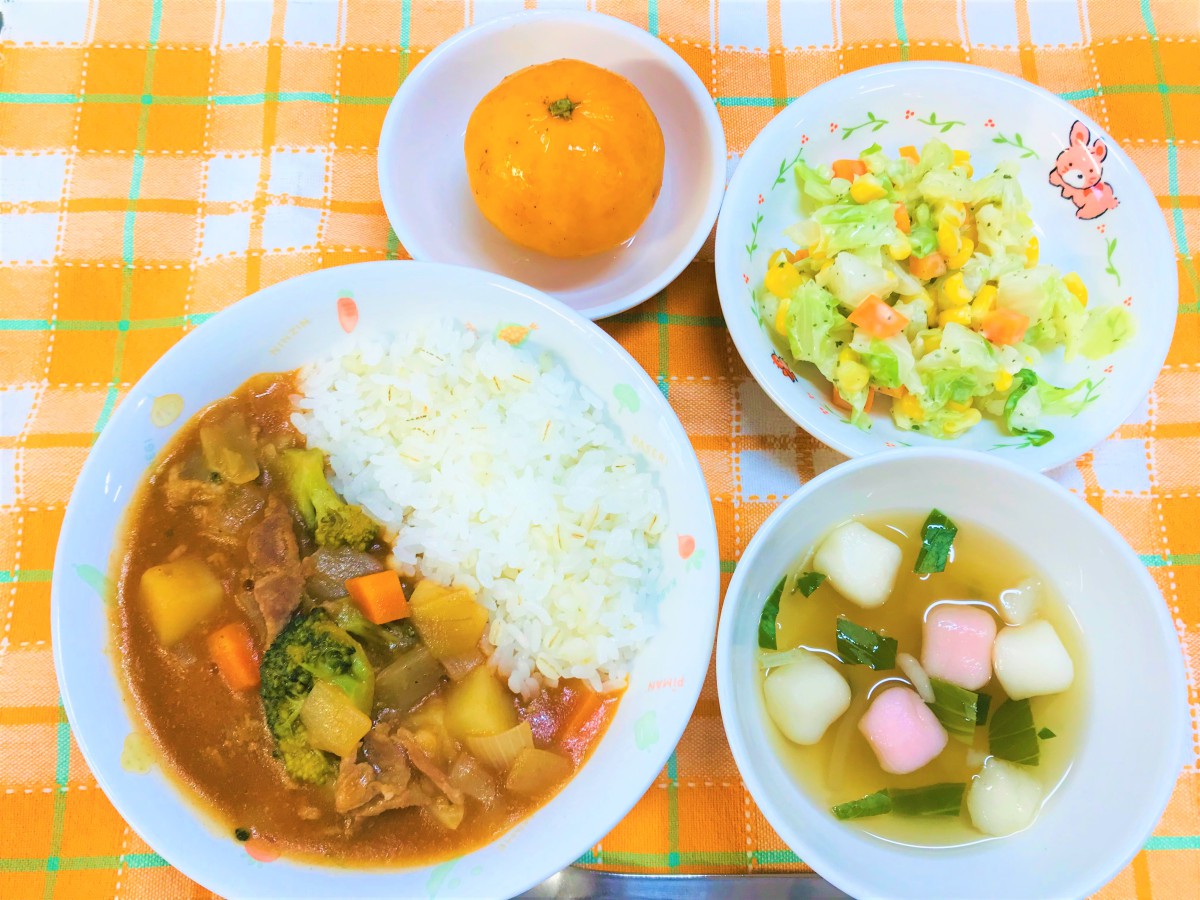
{"points": [[1004, 797], [805, 697], [859, 563], [1030, 660], [1019, 604]]}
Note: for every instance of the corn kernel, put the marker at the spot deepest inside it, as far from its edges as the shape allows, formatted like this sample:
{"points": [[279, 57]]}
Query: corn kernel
{"points": [[949, 240], [982, 304], [825, 265], [1031, 252], [846, 354], [779, 257], [911, 407], [930, 307], [852, 377], [1003, 380], [781, 315], [959, 407], [969, 420], [958, 260], [953, 212], [902, 249], [910, 153], [962, 157], [932, 342], [865, 189], [782, 280], [960, 316], [954, 292], [1075, 285]]}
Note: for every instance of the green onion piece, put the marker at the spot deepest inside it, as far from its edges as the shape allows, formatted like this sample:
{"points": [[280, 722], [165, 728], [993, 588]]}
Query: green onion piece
{"points": [[809, 582], [770, 659], [770, 612], [932, 800], [937, 537], [956, 708], [1045, 734], [875, 804], [1011, 734], [981, 708], [859, 646]]}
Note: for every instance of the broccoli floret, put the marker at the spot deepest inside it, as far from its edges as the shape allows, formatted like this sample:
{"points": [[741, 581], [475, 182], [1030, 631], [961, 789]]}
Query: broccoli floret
{"points": [[312, 647], [334, 522]]}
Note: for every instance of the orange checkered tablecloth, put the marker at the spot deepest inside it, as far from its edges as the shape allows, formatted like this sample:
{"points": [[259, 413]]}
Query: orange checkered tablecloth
{"points": [[161, 159]]}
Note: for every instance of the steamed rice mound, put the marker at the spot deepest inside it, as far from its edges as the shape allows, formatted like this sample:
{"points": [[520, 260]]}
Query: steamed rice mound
{"points": [[497, 470]]}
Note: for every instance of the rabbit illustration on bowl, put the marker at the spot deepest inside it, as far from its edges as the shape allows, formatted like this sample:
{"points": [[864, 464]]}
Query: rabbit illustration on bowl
{"points": [[1078, 172]]}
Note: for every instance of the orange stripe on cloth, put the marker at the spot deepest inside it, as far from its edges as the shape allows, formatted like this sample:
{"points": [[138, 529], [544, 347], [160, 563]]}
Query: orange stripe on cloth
{"points": [[1025, 42], [270, 112], [775, 60]]}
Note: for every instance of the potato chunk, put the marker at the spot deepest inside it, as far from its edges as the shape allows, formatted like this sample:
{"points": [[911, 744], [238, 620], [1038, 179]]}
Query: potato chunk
{"points": [[178, 596], [805, 697], [859, 563], [1030, 660], [1004, 797], [448, 619], [479, 705]]}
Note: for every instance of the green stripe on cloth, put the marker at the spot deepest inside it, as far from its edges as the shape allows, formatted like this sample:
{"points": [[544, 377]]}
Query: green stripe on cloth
{"points": [[62, 772], [104, 324], [662, 317], [1172, 151], [673, 811], [26, 576], [82, 863], [901, 30], [1173, 842], [652, 17], [664, 342], [1158, 561]]}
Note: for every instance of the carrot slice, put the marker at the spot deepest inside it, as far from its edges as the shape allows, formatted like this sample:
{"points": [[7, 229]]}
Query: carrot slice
{"points": [[927, 267], [895, 393], [233, 651], [910, 153], [1005, 326], [877, 319], [840, 402], [903, 222], [380, 596], [848, 168]]}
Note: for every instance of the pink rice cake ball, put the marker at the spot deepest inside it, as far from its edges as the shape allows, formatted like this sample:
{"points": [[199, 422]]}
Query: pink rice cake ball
{"points": [[957, 645], [902, 730]]}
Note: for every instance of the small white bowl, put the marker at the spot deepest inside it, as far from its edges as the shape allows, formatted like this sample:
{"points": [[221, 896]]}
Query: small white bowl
{"points": [[1124, 256], [1136, 721], [286, 326], [423, 175]]}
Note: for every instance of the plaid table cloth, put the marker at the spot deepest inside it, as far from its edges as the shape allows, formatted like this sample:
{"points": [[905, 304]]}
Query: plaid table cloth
{"points": [[161, 159]]}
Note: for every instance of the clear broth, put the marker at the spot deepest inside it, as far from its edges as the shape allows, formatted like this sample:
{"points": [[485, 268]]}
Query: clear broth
{"points": [[842, 766]]}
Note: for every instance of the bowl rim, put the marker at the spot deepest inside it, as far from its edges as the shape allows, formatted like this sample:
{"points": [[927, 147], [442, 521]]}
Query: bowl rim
{"points": [[409, 233], [728, 284], [841, 872], [74, 519]]}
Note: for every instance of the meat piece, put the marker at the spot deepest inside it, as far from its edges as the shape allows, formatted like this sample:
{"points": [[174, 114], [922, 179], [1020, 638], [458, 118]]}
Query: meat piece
{"points": [[360, 792], [181, 491], [272, 543], [424, 763], [902, 731], [275, 567], [326, 570]]}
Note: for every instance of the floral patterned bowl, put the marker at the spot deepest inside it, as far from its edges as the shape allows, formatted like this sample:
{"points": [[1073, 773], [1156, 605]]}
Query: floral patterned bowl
{"points": [[1124, 254], [281, 328]]}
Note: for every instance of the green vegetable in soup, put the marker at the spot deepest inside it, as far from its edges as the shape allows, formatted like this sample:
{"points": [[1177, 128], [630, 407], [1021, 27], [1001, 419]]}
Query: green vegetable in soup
{"points": [[1011, 734], [807, 583], [937, 539], [334, 522], [957, 708], [859, 646], [1045, 734], [766, 622], [875, 804], [930, 800]]}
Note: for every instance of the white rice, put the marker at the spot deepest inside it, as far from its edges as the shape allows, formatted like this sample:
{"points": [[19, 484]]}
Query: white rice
{"points": [[499, 471]]}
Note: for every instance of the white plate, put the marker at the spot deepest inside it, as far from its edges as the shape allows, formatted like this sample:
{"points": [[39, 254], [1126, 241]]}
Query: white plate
{"points": [[281, 328], [434, 214], [995, 117], [1136, 721]]}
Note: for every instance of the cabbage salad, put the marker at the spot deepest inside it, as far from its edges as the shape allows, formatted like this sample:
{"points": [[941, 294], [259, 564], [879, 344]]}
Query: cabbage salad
{"points": [[914, 281]]}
